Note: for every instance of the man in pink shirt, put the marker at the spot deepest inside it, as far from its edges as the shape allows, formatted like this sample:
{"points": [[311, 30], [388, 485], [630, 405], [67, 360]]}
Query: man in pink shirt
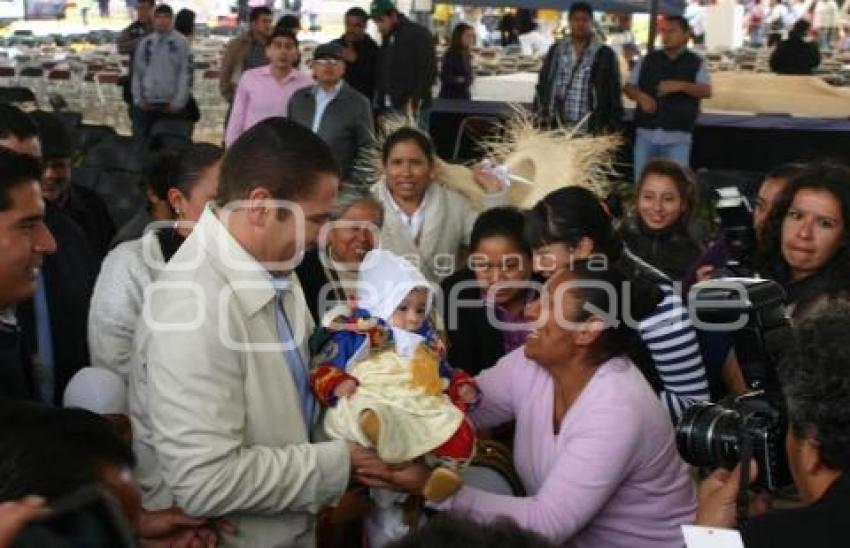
{"points": [[265, 92]]}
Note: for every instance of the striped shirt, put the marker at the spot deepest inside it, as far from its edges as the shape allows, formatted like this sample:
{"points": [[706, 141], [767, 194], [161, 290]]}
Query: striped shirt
{"points": [[672, 343]]}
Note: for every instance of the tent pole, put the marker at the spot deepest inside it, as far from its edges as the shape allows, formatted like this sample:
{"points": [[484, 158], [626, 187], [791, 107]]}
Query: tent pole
{"points": [[653, 23]]}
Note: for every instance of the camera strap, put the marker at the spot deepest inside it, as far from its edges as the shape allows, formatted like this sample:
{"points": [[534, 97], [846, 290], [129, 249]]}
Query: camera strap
{"points": [[742, 506]]}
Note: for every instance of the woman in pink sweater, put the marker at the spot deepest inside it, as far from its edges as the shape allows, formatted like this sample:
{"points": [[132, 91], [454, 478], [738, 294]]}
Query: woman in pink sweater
{"points": [[594, 446]]}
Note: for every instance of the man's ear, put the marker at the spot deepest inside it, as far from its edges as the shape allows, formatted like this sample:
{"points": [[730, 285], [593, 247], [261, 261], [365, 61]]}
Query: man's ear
{"points": [[257, 206]]}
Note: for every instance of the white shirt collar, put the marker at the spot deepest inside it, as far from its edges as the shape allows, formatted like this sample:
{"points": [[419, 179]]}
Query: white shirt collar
{"points": [[415, 221], [319, 91]]}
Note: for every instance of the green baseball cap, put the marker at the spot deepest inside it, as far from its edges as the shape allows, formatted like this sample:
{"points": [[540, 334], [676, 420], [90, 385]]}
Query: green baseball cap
{"points": [[381, 7]]}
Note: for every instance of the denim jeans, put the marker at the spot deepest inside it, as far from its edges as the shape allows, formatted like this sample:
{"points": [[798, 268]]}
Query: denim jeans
{"points": [[646, 150]]}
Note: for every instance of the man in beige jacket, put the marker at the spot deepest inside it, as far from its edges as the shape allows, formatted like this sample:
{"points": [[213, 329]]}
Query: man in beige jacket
{"points": [[245, 52], [220, 399]]}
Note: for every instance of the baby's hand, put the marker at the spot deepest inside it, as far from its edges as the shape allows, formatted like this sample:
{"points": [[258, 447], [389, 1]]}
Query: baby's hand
{"points": [[345, 388], [468, 393]]}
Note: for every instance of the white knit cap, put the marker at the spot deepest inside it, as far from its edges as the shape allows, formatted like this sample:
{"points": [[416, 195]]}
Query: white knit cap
{"points": [[97, 390], [385, 280]]}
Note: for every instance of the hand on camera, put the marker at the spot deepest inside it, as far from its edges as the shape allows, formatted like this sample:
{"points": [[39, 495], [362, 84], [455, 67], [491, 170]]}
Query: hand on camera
{"points": [[718, 495]]}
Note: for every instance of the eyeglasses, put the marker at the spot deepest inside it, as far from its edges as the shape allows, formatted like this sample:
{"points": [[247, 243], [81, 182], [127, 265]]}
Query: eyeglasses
{"points": [[326, 62]]}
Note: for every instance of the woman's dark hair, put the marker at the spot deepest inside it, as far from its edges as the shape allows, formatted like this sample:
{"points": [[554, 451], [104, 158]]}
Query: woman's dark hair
{"points": [[456, 43], [184, 22], [448, 531], [614, 292], [682, 178], [34, 438], [824, 176], [815, 378], [569, 214], [784, 171], [180, 169], [566, 216], [505, 222], [403, 135]]}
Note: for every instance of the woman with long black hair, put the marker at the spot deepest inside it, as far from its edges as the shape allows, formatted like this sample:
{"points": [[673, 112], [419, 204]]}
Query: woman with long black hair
{"points": [[805, 241], [569, 225], [456, 73]]}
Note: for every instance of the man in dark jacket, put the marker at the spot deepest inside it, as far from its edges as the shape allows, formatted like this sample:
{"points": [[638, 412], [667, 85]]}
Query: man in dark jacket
{"points": [[336, 112], [668, 85], [245, 52], [795, 55], [50, 327], [84, 206], [814, 374], [360, 53], [24, 242], [54, 321], [408, 65], [579, 83]]}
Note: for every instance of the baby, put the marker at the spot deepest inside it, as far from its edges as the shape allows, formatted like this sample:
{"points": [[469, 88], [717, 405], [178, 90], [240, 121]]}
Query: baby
{"points": [[382, 371]]}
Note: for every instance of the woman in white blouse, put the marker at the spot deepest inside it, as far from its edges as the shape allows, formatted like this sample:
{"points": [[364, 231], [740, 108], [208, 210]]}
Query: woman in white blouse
{"points": [[187, 179], [425, 222]]}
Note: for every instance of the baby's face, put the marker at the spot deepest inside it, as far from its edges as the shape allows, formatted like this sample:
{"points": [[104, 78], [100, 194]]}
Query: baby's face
{"points": [[412, 312]]}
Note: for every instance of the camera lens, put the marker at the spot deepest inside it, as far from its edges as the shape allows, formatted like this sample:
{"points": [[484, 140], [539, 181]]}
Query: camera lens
{"points": [[708, 434]]}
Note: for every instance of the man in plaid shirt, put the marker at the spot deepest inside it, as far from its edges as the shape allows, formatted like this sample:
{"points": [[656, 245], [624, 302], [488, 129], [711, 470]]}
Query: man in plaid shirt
{"points": [[579, 84]]}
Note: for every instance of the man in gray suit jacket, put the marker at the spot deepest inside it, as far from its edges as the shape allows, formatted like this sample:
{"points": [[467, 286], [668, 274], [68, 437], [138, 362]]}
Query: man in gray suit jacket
{"points": [[338, 113]]}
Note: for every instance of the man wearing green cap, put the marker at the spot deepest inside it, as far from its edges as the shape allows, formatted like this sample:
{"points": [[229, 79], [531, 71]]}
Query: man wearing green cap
{"points": [[407, 64]]}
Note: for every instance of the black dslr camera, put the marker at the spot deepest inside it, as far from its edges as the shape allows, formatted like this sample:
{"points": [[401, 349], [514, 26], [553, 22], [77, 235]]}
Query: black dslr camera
{"points": [[752, 425], [735, 217]]}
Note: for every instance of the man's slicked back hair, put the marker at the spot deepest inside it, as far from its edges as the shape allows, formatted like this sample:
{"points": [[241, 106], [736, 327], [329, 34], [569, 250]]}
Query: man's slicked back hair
{"points": [[279, 155]]}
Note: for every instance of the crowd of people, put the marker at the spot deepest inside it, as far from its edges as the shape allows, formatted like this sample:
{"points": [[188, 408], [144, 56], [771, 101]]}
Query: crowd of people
{"points": [[288, 346]]}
